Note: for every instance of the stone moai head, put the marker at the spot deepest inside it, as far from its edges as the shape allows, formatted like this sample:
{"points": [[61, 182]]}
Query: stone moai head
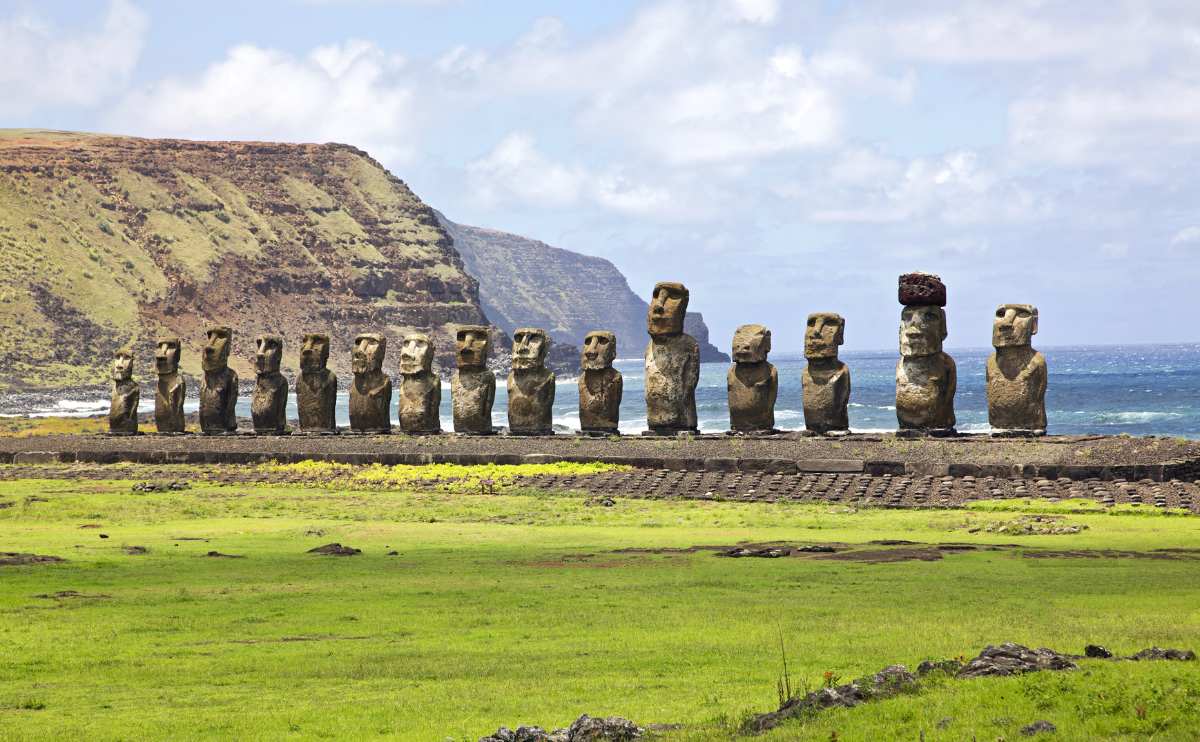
{"points": [[599, 350], [530, 345], [166, 355], [823, 334], [416, 354], [751, 344], [473, 342], [367, 356], [922, 321], [122, 368], [216, 348], [268, 354], [314, 353], [668, 307], [922, 330], [1014, 326]]}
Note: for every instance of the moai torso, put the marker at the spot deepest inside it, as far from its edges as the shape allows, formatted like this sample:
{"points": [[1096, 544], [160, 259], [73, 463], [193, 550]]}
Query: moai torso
{"points": [[420, 388], [123, 406], [218, 401], [672, 363], [826, 380], [826, 396], [473, 390], [171, 389], [218, 384], [926, 378], [530, 385], [600, 385], [316, 387], [752, 382], [925, 388], [1016, 373], [371, 390], [672, 372], [473, 385], [268, 406]]}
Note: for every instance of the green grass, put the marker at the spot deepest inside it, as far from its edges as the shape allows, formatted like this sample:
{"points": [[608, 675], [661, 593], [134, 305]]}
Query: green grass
{"points": [[519, 608]]}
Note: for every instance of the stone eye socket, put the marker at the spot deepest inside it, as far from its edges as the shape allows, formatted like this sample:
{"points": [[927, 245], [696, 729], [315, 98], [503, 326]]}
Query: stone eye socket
{"points": [[602, 340], [1000, 312]]}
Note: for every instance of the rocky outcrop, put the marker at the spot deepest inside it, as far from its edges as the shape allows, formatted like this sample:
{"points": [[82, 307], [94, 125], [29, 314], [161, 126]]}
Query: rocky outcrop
{"points": [[107, 241], [527, 283]]}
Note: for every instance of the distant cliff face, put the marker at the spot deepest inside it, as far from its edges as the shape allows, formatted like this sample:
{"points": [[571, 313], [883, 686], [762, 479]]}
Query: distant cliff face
{"points": [[107, 241], [524, 282]]}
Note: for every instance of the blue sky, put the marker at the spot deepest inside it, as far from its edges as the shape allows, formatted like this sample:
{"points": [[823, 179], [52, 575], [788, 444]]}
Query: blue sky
{"points": [[778, 157]]}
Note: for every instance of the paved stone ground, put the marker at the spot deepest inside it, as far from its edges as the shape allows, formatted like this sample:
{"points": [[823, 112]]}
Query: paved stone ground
{"points": [[866, 490], [858, 490]]}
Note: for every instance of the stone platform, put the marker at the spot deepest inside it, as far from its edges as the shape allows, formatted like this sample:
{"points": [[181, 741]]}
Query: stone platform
{"points": [[1051, 458]]}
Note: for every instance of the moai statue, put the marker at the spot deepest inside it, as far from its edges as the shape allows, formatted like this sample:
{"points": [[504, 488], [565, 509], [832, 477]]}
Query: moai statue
{"points": [[168, 398], [1016, 373], [218, 385], [530, 384], [268, 406], [672, 364], [926, 377], [753, 382], [826, 379], [600, 385], [123, 407], [316, 387], [420, 387], [371, 391], [473, 386]]}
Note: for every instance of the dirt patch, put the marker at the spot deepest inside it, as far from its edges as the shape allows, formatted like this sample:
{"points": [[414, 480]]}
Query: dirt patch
{"points": [[1031, 525], [882, 556], [289, 639], [13, 558], [91, 525], [335, 549], [69, 594], [135, 550], [219, 555], [1168, 554]]}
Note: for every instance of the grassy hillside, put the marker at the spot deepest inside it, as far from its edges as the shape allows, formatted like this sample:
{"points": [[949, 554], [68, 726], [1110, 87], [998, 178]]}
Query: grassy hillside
{"points": [[107, 241]]}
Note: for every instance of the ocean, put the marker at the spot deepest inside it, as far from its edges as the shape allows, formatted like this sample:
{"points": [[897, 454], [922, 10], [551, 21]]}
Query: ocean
{"points": [[1135, 389]]}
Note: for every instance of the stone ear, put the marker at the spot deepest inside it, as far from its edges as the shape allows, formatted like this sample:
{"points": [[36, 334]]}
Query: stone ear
{"points": [[1033, 325], [840, 337]]}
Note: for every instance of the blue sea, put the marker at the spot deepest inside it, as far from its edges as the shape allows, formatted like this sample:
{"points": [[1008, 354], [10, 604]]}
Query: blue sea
{"points": [[1137, 389]]}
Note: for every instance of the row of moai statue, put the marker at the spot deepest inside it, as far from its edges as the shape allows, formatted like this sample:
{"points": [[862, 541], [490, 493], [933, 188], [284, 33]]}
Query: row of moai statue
{"points": [[926, 378]]}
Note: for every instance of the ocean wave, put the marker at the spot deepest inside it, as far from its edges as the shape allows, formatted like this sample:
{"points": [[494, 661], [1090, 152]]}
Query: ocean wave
{"points": [[1133, 417]]}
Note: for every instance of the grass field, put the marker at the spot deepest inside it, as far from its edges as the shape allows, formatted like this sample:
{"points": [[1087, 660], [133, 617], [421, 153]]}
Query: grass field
{"points": [[525, 607]]}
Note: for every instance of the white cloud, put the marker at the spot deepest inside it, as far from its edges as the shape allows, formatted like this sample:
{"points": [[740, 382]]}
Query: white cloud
{"points": [[352, 92], [684, 82], [1186, 236], [1106, 124], [515, 171], [953, 189], [41, 64]]}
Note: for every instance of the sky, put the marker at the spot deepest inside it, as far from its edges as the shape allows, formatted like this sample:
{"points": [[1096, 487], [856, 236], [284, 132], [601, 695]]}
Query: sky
{"points": [[778, 157]]}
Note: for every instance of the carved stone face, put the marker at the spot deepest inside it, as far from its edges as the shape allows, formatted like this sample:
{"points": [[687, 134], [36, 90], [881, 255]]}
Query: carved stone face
{"points": [[824, 333], [314, 354], [122, 369], [473, 343], [1015, 325], [529, 348], [667, 309], [166, 355], [368, 353], [922, 330], [599, 350], [268, 352], [416, 354], [216, 348], [751, 344]]}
